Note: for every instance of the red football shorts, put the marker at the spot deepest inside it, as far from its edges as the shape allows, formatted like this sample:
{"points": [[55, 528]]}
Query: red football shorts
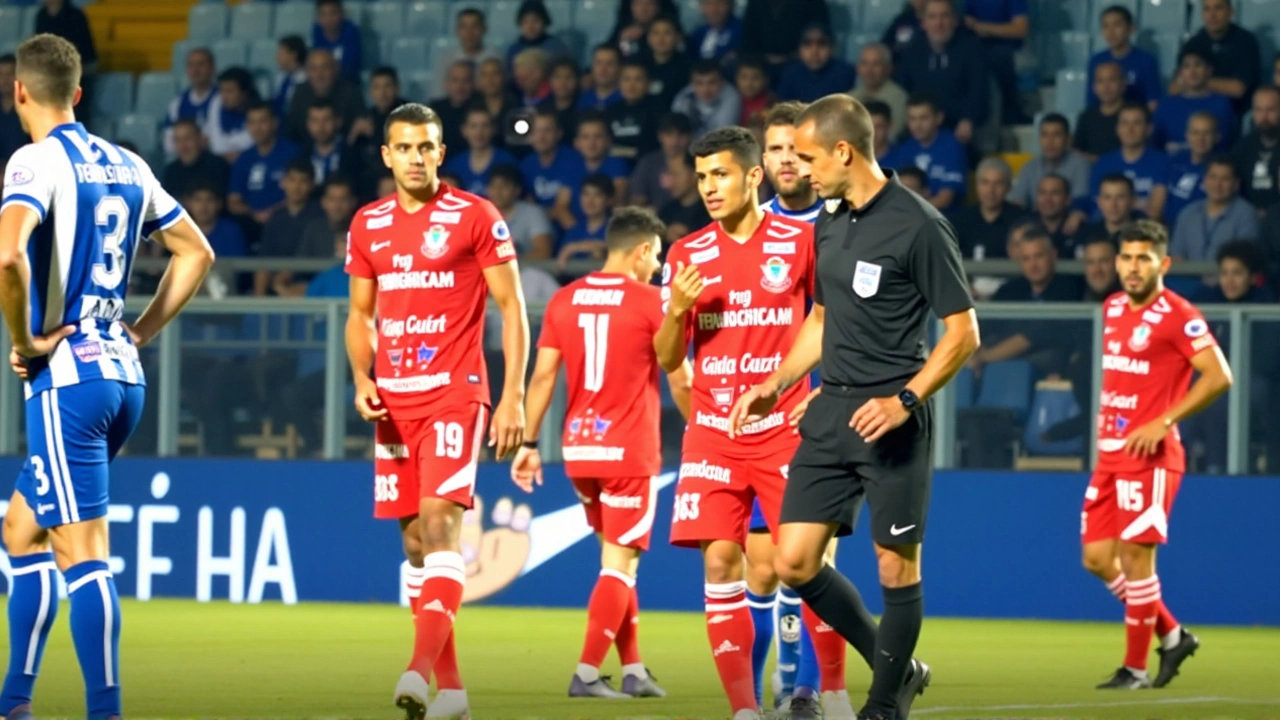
{"points": [[714, 493], [1129, 506], [430, 457], [621, 509]]}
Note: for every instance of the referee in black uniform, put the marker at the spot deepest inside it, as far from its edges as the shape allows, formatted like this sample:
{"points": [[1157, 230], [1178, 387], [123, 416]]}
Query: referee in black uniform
{"points": [[885, 258]]}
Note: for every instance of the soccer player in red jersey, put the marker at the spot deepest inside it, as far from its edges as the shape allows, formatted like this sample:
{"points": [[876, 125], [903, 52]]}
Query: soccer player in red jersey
{"points": [[601, 327], [1152, 342], [420, 265], [738, 289]]}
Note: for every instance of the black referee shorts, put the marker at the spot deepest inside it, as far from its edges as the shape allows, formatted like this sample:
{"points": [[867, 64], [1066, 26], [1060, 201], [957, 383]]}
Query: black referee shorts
{"points": [[834, 469]]}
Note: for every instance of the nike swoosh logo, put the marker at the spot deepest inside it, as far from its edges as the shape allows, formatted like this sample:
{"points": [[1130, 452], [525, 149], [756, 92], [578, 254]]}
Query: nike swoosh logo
{"points": [[378, 246], [895, 531]]}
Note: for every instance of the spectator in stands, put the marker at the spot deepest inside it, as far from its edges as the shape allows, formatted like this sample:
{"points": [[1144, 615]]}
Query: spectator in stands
{"points": [[532, 19], [193, 102], [473, 165], [551, 169], [469, 28], [531, 231], [1115, 202], [914, 179], [1002, 25], [334, 32], [1186, 167], [495, 95], [1039, 281], [255, 191], [634, 121], [684, 212], [774, 28], [719, 36], [668, 64], [606, 68], [634, 19], [650, 182], [564, 95], [1240, 267], [12, 136], [460, 93], [1139, 67], [282, 235], [1096, 127], [1056, 158], [881, 127], [592, 143], [875, 82], [64, 19], [329, 154], [949, 65], [194, 165], [935, 151], [323, 83], [1053, 208], [709, 101], [1146, 166], [203, 202], [291, 60], [904, 28], [987, 224], [817, 72], [585, 240], [531, 69], [1237, 61], [1275, 69], [751, 79], [1221, 217], [1256, 154], [338, 201], [1194, 95], [365, 135], [1100, 278], [224, 127]]}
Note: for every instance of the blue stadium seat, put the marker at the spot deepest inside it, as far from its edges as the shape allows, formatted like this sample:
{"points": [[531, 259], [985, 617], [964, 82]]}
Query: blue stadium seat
{"points": [[417, 85], [1165, 47], [844, 17], [1076, 50], [428, 18], [141, 130], [262, 55], [11, 27], [409, 54], [228, 53], [1164, 15], [1253, 14], [690, 14], [595, 18], [113, 94], [294, 19], [856, 43], [1052, 403], [561, 12], [385, 19], [503, 29], [1070, 87], [1006, 385], [178, 59], [251, 21], [877, 15], [104, 127], [1053, 16], [265, 83], [29, 20], [576, 41], [207, 21], [962, 386]]}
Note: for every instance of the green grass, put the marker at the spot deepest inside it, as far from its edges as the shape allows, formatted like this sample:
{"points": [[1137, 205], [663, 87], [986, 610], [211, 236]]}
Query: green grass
{"points": [[183, 659]]}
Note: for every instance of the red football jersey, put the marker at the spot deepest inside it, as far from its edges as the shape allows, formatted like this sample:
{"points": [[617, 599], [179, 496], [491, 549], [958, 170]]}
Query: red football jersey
{"points": [[431, 295], [1146, 369], [753, 302], [603, 325]]}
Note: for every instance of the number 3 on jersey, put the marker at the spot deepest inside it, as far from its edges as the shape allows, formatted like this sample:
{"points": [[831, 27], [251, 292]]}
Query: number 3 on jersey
{"points": [[112, 214], [595, 337]]}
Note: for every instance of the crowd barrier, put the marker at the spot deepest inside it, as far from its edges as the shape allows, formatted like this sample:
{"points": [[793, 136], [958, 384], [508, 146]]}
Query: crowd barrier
{"points": [[998, 544]]}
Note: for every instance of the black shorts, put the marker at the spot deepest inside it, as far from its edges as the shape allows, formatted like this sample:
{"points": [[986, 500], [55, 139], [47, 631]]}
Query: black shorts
{"points": [[834, 469]]}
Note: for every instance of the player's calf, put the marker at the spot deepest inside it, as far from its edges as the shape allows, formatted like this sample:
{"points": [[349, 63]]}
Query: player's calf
{"points": [[95, 632], [33, 604]]}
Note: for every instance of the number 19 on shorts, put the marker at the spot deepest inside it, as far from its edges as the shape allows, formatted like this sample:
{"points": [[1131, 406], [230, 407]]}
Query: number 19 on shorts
{"points": [[448, 439]]}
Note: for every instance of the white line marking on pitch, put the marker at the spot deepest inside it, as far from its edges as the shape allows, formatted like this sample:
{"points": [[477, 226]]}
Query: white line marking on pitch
{"points": [[1126, 703]]}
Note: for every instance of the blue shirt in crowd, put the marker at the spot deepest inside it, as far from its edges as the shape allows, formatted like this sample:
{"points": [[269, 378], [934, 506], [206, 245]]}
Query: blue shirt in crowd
{"points": [[1184, 183], [544, 183], [1000, 12], [1150, 169], [346, 49], [227, 239], [332, 283], [1140, 68], [589, 100], [944, 161], [256, 177], [800, 83], [582, 231], [1171, 116], [477, 182], [709, 43]]}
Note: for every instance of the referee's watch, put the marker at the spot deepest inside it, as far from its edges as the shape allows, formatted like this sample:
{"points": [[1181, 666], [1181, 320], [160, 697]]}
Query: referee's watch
{"points": [[909, 400], [530, 444]]}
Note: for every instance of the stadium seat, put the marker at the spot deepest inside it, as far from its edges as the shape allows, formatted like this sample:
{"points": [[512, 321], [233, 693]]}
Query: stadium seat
{"points": [[1165, 47], [178, 59], [29, 20], [113, 94], [503, 29], [576, 41], [251, 21], [878, 15], [409, 54], [1070, 86], [155, 91], [1006, 385], [843, 17], [1054, 16], [428, 18], [1052, 403], [386, 19], [417, 85], [1165, 15], [294, 19], [11, 27], [262, 55], [228, 53], [595, 18], [857, 42], [141, 130], [690, 14], [561, 12], [207, 21], [104, 127], [1075, 50], [265, 83], [1253, 14]]}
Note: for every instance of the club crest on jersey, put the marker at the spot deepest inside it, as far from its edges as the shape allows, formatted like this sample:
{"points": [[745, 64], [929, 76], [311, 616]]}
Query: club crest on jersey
{"points": [[396, 356], [425, 354], [20, 175], [435, 242], [723, 397], [866, 279], [777, 275], [1141, 338]]}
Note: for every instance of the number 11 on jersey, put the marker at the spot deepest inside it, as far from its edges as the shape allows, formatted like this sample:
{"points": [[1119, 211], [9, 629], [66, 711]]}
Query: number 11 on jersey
{"points": [[595, 336]]}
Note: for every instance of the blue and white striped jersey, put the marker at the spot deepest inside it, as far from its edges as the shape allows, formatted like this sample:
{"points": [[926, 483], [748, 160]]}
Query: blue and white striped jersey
{"points": [[809, 215], [95, 201]]}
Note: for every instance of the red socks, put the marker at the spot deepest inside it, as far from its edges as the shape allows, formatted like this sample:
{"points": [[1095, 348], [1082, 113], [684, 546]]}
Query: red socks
{"points": [[830, 648], [732, 634], [628, 640], [444, 574], [606, 613], [1142, 606], [1165, 621]]}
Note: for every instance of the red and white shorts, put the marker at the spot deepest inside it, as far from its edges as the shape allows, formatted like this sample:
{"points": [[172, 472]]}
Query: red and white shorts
{"points": [[429, 457], [714, 494], [620, 509], [1129, 506]]}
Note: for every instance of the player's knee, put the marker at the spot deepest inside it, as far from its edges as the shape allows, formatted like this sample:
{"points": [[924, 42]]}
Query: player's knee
{"points": [[723, 563], [413, 550], [794, 567], [899, 567], [761, 578], [436, 533], [1137, 560], [1096, 561]]}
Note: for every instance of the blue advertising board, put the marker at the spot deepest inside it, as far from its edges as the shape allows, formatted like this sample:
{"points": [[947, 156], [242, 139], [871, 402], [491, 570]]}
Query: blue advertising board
{"points": [[999, 544]]}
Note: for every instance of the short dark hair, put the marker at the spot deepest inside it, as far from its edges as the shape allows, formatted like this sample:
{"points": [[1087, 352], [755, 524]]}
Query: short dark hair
{"points": [[534, 7], [705, 67], [1135, 106], [187, 122], [595, 117], [564, 62], [1247, 252], [877, 107], [323, 104], [1066, 184], [1148, 231], [783, 113], [242, 79], [1119, 178], [1224, 160], [548, 112], [1099, 239], [911, 171], [630, 227], [259, 106], [838, 118], [413, 114], [754, 62], [606, 47], [922, 98], [50, 68], [386, 71], [200, 186], [1206, 115], [508, 172], [471, 11], [1037, 232], [8, 59], [1057, 119], [1120, 10], [675, 122], [295, 46], [1192, 51], [635, 63], [737, 141], [301, 166], [600, 182], [322, 3], [670, 20], [476, 107]]}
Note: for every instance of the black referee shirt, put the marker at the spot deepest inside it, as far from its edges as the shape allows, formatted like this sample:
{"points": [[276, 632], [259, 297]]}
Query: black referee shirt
{"points": [[881, 268]]}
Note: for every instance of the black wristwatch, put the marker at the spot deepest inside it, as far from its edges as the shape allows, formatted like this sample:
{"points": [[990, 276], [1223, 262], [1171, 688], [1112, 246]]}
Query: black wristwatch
{"points": [[909, 400], [530, 444]]}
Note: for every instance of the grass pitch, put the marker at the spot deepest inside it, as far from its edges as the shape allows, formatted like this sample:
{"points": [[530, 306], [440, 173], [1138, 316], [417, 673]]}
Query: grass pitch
{"points": [[183, 659]]}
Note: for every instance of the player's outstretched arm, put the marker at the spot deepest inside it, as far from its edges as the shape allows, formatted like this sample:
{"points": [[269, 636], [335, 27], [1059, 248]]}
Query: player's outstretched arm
{"points": [[192, 258], [801, 359], [681, 383], [1215, 379], [527, 467], [507, 430], [361, 337]]}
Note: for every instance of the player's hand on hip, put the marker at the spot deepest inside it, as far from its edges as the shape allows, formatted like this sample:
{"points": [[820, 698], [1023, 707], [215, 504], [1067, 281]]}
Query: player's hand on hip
{"points": [[19, 364], [797, 413], [877, 417], [42, 345], [526, 469], [368, 404], [1146, 440], [686, 286], [751, 406], [506, 432], [136, 337]]}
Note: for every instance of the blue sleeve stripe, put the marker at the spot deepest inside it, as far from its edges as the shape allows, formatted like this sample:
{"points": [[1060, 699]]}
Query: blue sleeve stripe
{"points": [[169, 219], [26, 200]]}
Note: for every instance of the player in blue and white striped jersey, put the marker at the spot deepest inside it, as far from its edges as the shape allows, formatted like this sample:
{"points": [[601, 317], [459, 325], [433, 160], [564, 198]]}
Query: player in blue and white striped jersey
{"points": [[73, 209]]}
